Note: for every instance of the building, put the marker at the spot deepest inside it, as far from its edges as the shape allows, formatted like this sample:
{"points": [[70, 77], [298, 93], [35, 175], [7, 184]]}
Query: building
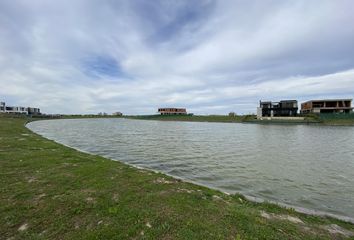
{"points": [[2, 107], [117, 114], [327, 106], [19, 110], [33, 111], [172, 111], [284, 108]]}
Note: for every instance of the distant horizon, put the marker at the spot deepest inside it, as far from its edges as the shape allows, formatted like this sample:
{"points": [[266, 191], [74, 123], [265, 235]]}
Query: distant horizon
{"points": [[189, 112], [209, 56]]}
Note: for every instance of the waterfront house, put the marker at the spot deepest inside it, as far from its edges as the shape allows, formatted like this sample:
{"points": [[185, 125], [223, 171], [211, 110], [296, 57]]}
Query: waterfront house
{"points": [[327, 106], [33, 111], [284, 108], [18, 109], [172, 111], [117, 114]]}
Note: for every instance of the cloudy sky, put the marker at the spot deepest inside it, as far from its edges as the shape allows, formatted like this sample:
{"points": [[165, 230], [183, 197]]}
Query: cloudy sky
{"points": [[212, 57]]}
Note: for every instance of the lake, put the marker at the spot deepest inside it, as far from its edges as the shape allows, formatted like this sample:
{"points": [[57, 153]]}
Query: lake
{"points": [[304, 166]]}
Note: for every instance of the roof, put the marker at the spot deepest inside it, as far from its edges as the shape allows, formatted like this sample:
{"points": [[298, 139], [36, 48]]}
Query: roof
{"points": [[329, 100], [288, 101], [279, 101]]}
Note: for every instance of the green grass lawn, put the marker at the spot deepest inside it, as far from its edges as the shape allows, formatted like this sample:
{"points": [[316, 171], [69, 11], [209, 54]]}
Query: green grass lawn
{"points": [[49, 191]]}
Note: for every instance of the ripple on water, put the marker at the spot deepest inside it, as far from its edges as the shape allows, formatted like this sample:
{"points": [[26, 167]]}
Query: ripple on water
{"points": [[296, 165]]}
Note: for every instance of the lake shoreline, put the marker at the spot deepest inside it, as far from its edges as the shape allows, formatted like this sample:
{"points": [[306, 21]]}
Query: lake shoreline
{"points": [[246, 119], [298, 209], [46, 170]]}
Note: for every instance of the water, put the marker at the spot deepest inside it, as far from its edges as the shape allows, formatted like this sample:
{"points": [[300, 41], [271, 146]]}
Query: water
{"points": [[303, 166]]}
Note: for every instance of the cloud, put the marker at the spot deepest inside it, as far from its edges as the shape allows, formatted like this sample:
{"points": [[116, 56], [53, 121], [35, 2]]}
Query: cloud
{"points": [[209, 56]]}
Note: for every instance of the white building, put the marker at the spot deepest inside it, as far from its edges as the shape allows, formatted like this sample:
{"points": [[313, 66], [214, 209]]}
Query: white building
{"points": [[19, 110]]}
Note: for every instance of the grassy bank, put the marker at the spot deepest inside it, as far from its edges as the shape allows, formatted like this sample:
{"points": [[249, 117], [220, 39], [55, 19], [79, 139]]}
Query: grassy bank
{"points": [[284, 122], [338, 122], [312, 119], [191, 118], [49, 191], [221, 118], [337, 119], [328, 119]]}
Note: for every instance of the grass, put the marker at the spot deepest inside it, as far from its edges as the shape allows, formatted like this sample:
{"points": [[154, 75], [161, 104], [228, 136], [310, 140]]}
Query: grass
{"points": [[221, 118], [191, 118], [49, 191], [76, 116], [335, 120], [338, 122], [310, 119]]}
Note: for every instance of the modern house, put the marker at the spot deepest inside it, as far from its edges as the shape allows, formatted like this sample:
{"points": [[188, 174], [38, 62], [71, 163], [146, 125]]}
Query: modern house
{"points": [[33, 111], [284, 108], [327, 106], [172, 111], [19, 110], [117, 114]]}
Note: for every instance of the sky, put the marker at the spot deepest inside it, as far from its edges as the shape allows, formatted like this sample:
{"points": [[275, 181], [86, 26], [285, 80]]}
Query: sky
{"points": [[211, 57]]}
